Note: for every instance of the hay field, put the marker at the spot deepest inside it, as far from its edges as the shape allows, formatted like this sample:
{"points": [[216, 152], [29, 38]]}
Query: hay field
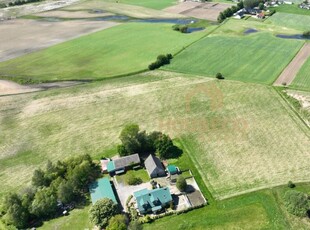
{"points": [[302, 80], [264, 151], [120, 50], [259, 57], [21, 36], [295, 21], [153, 4]]}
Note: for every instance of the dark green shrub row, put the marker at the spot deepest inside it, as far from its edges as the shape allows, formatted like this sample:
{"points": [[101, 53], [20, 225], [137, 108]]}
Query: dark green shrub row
{"points": [[181, 28], [161, 60], [22, 2], [229, 12]]}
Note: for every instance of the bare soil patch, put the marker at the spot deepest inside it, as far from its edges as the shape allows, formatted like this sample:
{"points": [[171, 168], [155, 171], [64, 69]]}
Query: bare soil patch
{"points": [[22, 36], [9, 87], [208, 11], [290, 72], [73, 14]]}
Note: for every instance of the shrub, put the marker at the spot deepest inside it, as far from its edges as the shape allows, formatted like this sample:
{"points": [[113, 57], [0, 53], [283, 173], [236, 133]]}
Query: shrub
{"points": [[250, 3], [181, 183], [290, 184], [132, 180], [160, 61], [306, 33], [183, 29], [297, 203], [219, 76]]}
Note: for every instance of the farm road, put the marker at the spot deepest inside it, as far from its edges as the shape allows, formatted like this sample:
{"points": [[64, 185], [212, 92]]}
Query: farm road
{"points": [[290, 72]]}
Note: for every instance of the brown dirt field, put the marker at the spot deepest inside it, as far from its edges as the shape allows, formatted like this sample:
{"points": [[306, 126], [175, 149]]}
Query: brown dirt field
{"points": [[9, 87], [72, 14], [290, 72], [208, 11], [22, 36]]}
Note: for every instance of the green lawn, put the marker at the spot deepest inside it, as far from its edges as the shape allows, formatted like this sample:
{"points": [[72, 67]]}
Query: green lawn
{"points": [[259, 57], [302, 80], [295, 21], [140, 173], [154, 4], [291, 9], [120, 50]]}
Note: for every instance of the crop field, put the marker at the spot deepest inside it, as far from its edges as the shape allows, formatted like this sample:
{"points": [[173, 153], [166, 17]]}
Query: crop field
{"points": [[158, 5], [102, 54], [302, 80], [19, 37], [123, 9], [88, 119], [291, 9], [259, 57], [295, 21]]}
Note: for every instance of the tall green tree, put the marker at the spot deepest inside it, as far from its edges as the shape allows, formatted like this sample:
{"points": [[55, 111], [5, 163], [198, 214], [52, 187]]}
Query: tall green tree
{"points": [[297, 203], [129, 138], [166, 149], [39, 179], [15, 213], [102, 211], [249, 4], [44, 203], [117, 222], [181, 183]]}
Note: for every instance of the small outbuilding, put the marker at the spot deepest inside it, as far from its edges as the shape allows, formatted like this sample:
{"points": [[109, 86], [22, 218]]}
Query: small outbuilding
{"points": [[119, 165], [172, 169], [154, 167]]}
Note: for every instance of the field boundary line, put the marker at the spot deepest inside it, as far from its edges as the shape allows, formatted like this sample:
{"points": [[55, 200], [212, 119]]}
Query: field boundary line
{"points": [[289, 73]]}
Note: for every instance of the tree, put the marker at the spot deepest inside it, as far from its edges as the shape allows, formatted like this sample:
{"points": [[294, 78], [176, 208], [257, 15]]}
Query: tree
{"points": [[234, 9], [44, 203], [306, 34], [290, 184], [66, 192], [15, 213], [181, 184], [117, 222], [261, 6], [249, 4], [240, 5], [219, 76], [129, 138], [39, 179], [297, 203], [135, 225], [221, 17], [165, 148], [102, 211]]}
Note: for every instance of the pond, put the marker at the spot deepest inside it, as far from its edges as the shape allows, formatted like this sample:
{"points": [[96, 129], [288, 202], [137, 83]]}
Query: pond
{"points": [[250, 31], [192, 30], [294, 36]]}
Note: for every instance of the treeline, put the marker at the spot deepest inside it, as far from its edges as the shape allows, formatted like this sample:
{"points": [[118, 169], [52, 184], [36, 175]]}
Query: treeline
{"points": [[160, 61], [53, 190], [229, 12], [18, 3], [141, 142]]}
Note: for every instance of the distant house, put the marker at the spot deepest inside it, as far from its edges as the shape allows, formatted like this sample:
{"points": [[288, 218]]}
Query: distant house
{"points": [[119, 165], [100, 189], [154, 166], [152, 200]]}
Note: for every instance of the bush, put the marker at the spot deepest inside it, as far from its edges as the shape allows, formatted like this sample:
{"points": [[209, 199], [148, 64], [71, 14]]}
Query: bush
{"points": [[132, 180], [219, 76], [160, 61], [250, 3], [306, 34], [290, 184], [297, 203], [181, 183]]}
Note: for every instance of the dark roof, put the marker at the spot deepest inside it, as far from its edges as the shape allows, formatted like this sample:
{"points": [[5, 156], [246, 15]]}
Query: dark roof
{"points": [[123, 162], [153, 165]]}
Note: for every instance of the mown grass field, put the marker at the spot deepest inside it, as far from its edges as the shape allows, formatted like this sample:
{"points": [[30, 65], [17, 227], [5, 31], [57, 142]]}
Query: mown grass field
{"points": [[120, 50], [263, 146], [158, 5], [295, 21], [291, 9], [302, 80], [259, 57]]}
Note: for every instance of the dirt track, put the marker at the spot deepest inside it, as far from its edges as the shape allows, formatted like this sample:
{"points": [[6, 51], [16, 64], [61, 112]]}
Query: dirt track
{"points": [[290, 72], [22, 36], [209, 10]]}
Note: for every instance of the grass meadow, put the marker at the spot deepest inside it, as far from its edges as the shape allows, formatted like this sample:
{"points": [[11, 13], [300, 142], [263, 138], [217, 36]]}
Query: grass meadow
{"points": [[259, 57], [291, 9], [295, 21], [158, 5], [117, 51], [302, 80], [262, 148]]}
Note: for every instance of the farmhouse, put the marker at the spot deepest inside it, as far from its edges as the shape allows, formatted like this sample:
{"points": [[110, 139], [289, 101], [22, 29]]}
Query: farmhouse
{"points": [[154, 166], [119, 165], [100, 189], [152, 200]]}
